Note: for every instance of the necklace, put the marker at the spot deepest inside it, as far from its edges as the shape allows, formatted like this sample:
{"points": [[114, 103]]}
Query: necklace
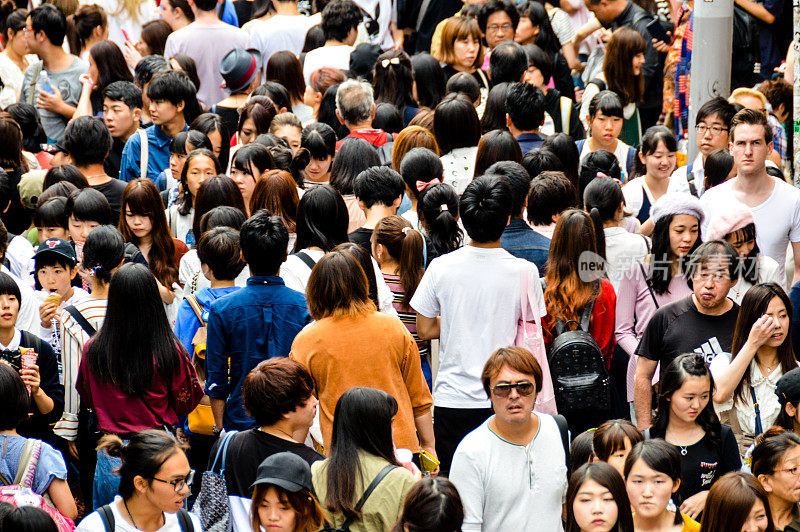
{"points": [[683, 449], [133, 522]]}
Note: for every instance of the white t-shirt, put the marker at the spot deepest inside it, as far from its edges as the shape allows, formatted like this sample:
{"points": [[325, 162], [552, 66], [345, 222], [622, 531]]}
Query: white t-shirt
{"points": [[387, 15], [635, 189], [476, 291], [504, 486], [623, 250], [94, 523], [459, 167], [295, 272], [119, 19], [777, 219], [12, 81], [280, 32], [182, 222], [20, 254], [327, 56]]}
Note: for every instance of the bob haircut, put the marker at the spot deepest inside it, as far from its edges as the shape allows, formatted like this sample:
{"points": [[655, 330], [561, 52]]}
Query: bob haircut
{"points": [[730, 500], [13, 393], [609, 438], [456, 123], [88, 205], [606, 102], [260, 110], [354, 156], [409, 138], [276, 191], [458, 29], [609, 478], [215, 191], [285, 68], [322, 219], [308, 513], [276, 387], [338, 287], [432, 505], [430, 80], [517, 358], [320, 140], [494, 146], [51, 213], [658, 455]]}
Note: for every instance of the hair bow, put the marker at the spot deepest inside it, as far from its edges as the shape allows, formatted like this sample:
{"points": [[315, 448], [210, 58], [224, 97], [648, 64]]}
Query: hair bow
{"points": [[422, 185], [393, 61], [601, 174]]}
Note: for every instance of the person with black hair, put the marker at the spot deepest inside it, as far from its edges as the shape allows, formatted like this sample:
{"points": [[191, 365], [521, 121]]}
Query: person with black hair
{"points": [[52, 84], [144, 72], [540, 160], [419, 167], [86, 209], [172, 103], [28, 317], [340, 20], [215, 128], [122, 112], [237, 324], [429, 80], [518, 238], [465, 84], [379, 191], [703, 322], [525, 114], [457, 129], [88, 143], [13, 60], [320, 141], [498, 20], [551, 193], [50, 475], [177, 13], [493, 276], [207, 40], [50, 219], [605, 124], [353, 157], [508, 63], [437, 209], [33, 136]]}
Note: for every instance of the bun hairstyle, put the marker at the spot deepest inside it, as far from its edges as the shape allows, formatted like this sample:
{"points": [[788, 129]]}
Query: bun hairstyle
{"points": [[284, 158], [405, 245], [438, 214], [103, 251]]}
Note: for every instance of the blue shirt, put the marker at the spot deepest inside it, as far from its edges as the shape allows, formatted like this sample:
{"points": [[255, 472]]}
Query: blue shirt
{"points": [[529, 141], [186, 322], [157, 154], [254, 323], [523, 242]]}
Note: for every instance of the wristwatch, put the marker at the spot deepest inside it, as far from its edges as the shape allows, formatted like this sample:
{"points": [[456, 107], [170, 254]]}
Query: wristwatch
{"points": [[215, 431]]}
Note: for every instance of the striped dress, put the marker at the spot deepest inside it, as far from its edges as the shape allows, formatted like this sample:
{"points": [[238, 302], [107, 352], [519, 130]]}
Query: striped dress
{"points": [[409, 319]]}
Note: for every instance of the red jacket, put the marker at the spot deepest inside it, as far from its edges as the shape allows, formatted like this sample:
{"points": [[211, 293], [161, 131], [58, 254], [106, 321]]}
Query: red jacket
{"points": [[376, 137]]}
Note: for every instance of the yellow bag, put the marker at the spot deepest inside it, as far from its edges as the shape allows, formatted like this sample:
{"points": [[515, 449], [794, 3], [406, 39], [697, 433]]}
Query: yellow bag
{"points": [[201, 419]]}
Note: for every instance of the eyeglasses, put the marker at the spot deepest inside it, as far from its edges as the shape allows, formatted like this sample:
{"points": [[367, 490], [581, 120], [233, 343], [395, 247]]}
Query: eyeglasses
{"points": [[180, 483], [716, 131], [524, 389], [499, 27], [712, 276]]}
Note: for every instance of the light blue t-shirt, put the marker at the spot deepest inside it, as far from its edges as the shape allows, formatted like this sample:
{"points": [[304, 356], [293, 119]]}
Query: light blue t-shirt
{"points": [[51, 464]]}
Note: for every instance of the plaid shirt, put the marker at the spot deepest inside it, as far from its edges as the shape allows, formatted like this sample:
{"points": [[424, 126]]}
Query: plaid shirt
{"points": [[778, 137]]}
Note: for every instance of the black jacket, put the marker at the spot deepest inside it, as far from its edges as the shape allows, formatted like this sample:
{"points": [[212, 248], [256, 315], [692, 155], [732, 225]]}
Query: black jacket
{"points": [[552, 104]]}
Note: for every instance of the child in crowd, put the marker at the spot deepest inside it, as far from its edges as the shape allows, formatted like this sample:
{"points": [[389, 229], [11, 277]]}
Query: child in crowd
{"points": [[379, 191], [605, 124]]}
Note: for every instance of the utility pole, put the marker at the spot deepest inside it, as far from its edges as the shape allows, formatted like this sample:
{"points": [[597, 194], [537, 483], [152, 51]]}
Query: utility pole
{"points": [[711, 58]]}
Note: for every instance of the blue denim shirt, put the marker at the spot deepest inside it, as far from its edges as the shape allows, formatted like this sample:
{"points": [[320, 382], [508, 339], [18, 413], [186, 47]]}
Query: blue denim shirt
{"points": [[157, 154], [253, 324], [529, 141], [523, 242]]}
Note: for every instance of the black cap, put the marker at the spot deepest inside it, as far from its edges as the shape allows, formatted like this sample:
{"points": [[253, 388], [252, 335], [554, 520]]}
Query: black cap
{"points": [[788, 387], [59, 247], [362, 60], [286, 470]]}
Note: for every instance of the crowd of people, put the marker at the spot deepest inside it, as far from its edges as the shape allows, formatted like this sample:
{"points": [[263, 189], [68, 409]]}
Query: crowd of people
{"points": [[384, 265]]}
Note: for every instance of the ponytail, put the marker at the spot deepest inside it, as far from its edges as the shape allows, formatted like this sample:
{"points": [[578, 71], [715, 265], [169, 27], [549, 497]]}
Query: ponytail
{"points": [[438, 213], [82, 23], [405, 245], [599, 234]]}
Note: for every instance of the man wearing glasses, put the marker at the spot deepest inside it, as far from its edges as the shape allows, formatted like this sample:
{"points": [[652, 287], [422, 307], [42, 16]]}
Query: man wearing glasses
{"points": [[712, 126], [511, 471]]}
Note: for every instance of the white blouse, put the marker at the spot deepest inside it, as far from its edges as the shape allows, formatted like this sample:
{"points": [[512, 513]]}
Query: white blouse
{"points": [[459, 167]]}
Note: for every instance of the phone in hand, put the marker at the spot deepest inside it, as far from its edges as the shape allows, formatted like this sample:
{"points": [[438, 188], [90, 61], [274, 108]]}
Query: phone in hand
{"points": [[657, 31]]}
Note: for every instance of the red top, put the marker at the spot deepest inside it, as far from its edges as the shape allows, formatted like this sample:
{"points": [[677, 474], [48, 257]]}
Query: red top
{"points": [[601, 323], [120, 413], [376, 137]]}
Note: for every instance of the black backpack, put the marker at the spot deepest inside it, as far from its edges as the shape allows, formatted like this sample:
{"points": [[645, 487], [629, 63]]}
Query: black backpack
{"points": [[385, 151], [746, 49], [577, 368]]}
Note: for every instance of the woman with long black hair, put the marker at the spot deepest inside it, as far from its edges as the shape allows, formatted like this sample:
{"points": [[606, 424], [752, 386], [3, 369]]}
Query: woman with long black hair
{"points": [[106, 65], [361, 450], [148, 388], [685, 417]]}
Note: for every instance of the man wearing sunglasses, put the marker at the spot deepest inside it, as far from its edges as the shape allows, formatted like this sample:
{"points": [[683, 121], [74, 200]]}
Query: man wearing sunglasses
{"points": [[511, 471]]}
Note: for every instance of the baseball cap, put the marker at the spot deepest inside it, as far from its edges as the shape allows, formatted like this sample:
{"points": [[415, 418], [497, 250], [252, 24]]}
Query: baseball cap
{"points": [[286, 470], [58, 246], [30, 187], [788, 387], [362, 60]]}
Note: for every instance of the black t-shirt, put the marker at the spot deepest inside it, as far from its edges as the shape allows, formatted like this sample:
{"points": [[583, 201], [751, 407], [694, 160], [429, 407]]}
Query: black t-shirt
{"points": [[38, 425], [114, 160], [704, 463], [362, 237], [112, 190], [247, 450], [679, 328]]}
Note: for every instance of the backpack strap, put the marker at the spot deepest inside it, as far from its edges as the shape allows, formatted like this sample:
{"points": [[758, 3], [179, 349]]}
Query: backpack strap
{"points": [[198, 310], [566, 113], [649, 286], [579, 144], [222, 451], [630, 162], [692, 187], [144, 155], [173, 221], [28, 461], [374, 484], [34, 80], [81, 319], [306, 258], [587, 311], [107, 517], [185, 521], [561, 421], [599, 83]]}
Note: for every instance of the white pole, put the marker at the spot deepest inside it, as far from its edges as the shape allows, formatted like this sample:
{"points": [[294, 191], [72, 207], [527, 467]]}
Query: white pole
{"points": [[796, 82]]}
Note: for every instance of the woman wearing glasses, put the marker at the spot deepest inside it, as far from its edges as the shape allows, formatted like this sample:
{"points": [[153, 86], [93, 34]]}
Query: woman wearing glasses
{"points": [[776, 465], [155, 479]]}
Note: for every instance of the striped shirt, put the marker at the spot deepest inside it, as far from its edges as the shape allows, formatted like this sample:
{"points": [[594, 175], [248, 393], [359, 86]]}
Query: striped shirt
{"points": [[73, 340], [407, 314]]}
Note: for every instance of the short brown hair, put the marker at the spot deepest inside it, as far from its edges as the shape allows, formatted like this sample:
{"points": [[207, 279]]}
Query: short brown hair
{"points": [[609, 437], [276, 387], [276, 191], [308, 513], [752, 118], [409, 138], [517, 358], [456, 28], [730, 500], [338, 287]]}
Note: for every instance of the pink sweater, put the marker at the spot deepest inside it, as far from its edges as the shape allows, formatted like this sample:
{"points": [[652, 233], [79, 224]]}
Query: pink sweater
{"points": [[635, 307]]}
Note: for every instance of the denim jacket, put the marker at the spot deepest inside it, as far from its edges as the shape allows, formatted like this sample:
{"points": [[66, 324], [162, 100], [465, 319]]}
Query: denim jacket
{"points": [[525, 243], [253, 324]]}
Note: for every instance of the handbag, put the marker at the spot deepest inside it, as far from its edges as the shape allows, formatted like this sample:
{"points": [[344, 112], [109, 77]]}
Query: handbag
{"points": [[212, 504], [201, 419], [529, 336]]}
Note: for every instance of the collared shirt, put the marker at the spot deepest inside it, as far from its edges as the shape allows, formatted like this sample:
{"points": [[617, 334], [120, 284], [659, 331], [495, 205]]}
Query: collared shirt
{"points": [[157, 154], [529, 141], [254, 323], [521, 241]]}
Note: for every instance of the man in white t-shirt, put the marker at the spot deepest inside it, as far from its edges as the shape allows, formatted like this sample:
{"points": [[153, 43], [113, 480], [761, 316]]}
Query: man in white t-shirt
{"points": [[340, 20], [511, 471], [775, 204], [712, 127], [470, 300], [285, 30]]}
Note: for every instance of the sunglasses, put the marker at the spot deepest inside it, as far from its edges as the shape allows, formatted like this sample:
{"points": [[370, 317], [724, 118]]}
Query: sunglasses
{"points": [[524, 389]]}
